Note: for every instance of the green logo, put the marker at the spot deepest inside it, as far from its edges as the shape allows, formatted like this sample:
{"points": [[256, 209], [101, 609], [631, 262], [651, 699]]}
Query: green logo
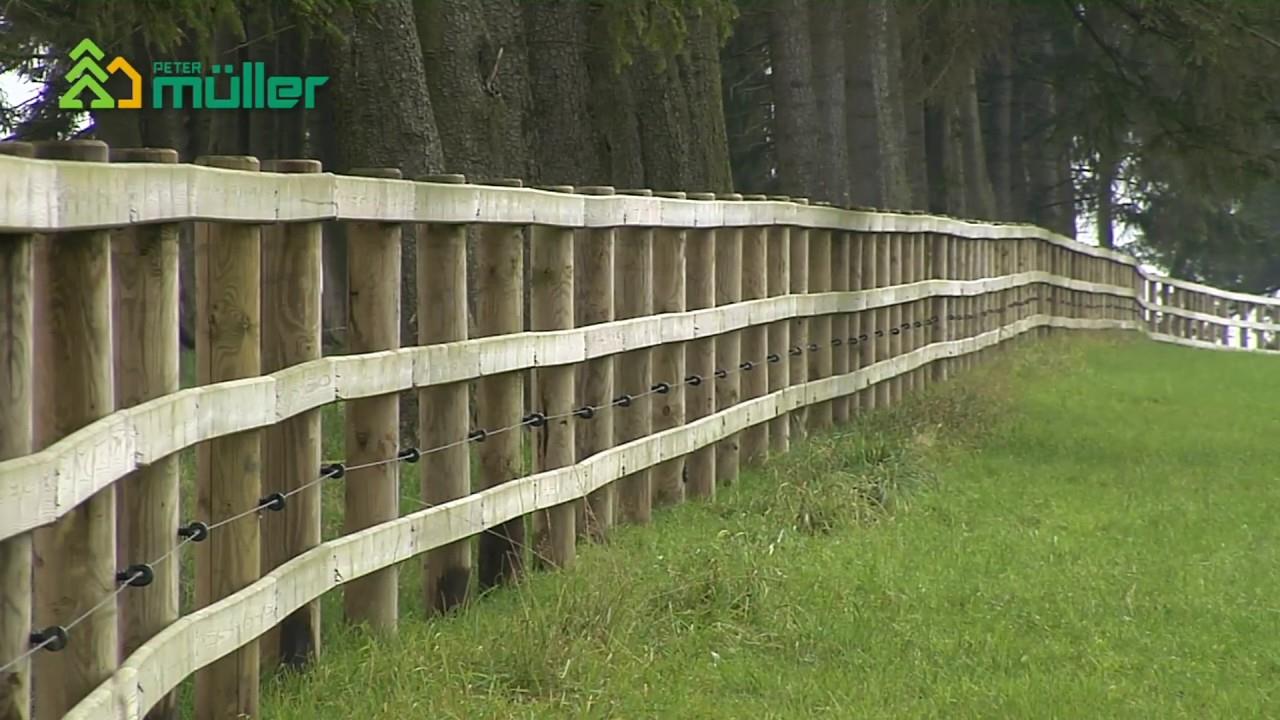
{"points": [[252, 88]]}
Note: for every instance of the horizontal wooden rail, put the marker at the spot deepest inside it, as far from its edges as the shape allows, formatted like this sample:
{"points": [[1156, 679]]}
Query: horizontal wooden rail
{"points": [[1210, 318], [206, 635], [59, 196], [38, 489]]}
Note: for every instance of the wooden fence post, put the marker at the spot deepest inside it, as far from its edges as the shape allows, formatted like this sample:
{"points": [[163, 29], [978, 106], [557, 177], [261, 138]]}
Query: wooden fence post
{"points": [[838, 281], [778, 282], [755, 339], [728, 345], [893, 329], [919, 323], [75, 559], [499, 310], [291, 285], [144, 275], [700, 399], [941, 305], [633, 298], [853, 342], [444, 410], [17, 330], [371, 495], [883, 316], [820, 325], [869, 320], [228, 347], [551, 308], [669, 360], [593, 271], [800, 327]]}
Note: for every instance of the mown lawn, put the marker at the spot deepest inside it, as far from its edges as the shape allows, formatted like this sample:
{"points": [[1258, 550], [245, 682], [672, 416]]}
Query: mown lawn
{"points": [[1087, 528]]}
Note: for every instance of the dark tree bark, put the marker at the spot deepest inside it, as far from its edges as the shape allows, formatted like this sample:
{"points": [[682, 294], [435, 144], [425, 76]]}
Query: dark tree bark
{"points": [[866, 180], [748, 101], [700, 71], [828, 60], [384, 118], [663, 113], [795, 106], [565, 141], [885, 59]]}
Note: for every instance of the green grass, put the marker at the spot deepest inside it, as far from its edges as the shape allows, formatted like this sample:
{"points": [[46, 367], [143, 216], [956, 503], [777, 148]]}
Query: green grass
{"points": [[1085, 528]]}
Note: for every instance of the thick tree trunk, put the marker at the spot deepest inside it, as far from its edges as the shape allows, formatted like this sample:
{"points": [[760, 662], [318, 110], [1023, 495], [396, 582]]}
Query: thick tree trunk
{"points": [[663, 113], [700, 71], [795, 106], [385, 119], [979, 200], [866, 182], [828, 38], [891, 125], [748, 102], [1105, 176], [1001, 139], [613, 109], [565, 141]]}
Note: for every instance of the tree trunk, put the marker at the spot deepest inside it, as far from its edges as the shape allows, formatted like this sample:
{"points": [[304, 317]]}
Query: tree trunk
{"points": [[1105, 175], [891, 125], [384, 118], [700, 71], [828, 38], [564, 138], [980, 200], [795, 106], [866, 168], [748, 102], [663, 114]]}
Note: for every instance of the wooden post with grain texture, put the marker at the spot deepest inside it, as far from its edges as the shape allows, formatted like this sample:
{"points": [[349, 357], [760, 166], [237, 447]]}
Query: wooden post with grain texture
{"points": [[17, 358], [228, 469], [778, 282], [499, 310], [853, 343], [883, 316], [551, 308], [593, 270], [893, 329], [371, 433], [444, 410], [941, 304], [291, 284], [75, 559], [820, 325], [919, 326], [755, 339], [144, 287], [838, 281], [800, 326], [700, 398], [669, 360], [869, 320], [633, 298], [729, 345]]}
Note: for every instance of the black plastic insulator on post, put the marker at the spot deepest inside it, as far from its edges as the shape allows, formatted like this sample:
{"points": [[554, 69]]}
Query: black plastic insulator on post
{"points": [[746, 366], [623, 400], [478, 435], [138, 575], [535, 419], [586, 412], [661, 388], [333, 470], [52, 638], [774, 358], [796, 350], [196, 531], [694, 380], [722, 373], [274, 502], [409, 455]]}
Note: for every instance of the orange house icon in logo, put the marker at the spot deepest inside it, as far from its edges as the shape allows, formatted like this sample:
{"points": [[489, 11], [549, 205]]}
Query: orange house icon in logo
{"points": [[87, 74]]}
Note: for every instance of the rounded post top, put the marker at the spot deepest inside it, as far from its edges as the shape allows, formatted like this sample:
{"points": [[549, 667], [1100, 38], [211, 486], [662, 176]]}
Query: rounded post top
{"points": [[166, 156], [676, 194], [506, 182], [385, 173], [292, 165], [642, 192], [701, 195], [755, 197], [729, 196], [82, 150], [780, 198], [800, 200], [556, 188], [17, 148], [229, 162], [596, 190], [446, 178]]}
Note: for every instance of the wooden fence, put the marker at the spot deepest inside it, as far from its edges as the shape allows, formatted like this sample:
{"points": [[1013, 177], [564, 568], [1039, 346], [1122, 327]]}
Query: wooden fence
{"points": [[674, 338]]}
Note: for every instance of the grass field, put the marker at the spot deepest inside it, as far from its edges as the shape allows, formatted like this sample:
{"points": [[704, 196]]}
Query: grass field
{"points": [[1087, 528]]}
